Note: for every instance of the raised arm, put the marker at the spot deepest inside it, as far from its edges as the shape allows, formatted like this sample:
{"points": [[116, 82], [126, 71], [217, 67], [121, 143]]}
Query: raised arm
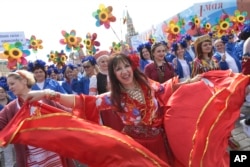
{"points": [[68, 100]]}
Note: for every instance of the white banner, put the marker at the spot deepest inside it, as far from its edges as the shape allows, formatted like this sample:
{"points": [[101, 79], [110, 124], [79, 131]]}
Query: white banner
{"points": [[11, 37]]}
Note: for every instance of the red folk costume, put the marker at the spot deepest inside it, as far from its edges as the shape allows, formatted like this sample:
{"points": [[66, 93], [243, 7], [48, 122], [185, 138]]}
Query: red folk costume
{"points": [[197, 129], [142, 121], [200, 66], [159, 73]]}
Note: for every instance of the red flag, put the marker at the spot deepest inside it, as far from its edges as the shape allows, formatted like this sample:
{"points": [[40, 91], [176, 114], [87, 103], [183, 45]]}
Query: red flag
{"points": [[72, 137]]}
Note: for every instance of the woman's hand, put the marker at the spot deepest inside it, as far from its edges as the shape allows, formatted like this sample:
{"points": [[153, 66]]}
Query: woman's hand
{"points": [[35, 95], [196, 78]]}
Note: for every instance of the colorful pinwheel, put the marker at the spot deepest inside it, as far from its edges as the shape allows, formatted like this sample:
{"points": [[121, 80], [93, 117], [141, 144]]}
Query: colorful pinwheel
{"points": [[15, 55], [194, 22], [91, 43], [205, 27], [116, 47], [58, 58], [238, 20], [34, 43], [152, 39], [223, 26], [104, 16], [174, 29], [52, 57], [71, 41]]}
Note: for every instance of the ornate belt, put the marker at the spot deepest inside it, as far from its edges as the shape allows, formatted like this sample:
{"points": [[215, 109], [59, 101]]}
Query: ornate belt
{"points": [[141, 131]]}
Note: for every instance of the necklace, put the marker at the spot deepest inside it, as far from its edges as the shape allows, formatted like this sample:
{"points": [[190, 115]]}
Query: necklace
{"points": [[136, 94]]}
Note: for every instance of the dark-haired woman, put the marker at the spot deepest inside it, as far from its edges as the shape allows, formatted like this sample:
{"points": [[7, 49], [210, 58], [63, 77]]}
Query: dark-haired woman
{"points": [[145, 55], [181, 64], [204, 60], [40, 74], [159, 70], [134, 98]]}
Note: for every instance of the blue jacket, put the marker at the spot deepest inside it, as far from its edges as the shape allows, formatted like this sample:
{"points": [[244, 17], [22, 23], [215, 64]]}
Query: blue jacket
{"points": [[179, 69], [50, 84], [81, 85], [223, 64]]}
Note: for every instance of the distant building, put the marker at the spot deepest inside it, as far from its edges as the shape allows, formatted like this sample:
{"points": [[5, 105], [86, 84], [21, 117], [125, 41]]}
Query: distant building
{"points": [[130, 29]]}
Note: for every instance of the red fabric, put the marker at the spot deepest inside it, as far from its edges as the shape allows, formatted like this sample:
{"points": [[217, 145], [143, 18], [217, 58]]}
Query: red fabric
{"points": [[72, 137], [246, 67], [200, 119]]}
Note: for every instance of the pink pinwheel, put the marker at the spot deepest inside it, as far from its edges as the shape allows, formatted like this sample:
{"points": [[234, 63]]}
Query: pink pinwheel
{"points": [[34, 43], [174, 29], [71, 41], [223, 26], [15, 55], [91, 43], [104, 16]]}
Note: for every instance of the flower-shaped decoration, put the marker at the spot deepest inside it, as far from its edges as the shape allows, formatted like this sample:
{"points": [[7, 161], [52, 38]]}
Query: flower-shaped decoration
{"points": [[61, 59], [223, 26], [71, 41], [174, 29], [152, 39], [116, 47], [36, 64], [135, 60], [91, 43], [205, 27], [238, 20], [194, 22], [34, 43], [104, 16], [52, 57], [15, 55], [144, 45]]}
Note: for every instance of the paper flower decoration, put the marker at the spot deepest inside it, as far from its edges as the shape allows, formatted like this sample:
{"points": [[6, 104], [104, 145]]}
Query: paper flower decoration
{"points": [[104, 16], [58, 58], [71, 41], [238, 20], [174, 29], [223, 26], [34, 43], [15, 55], [115, 48], [91, 43]]}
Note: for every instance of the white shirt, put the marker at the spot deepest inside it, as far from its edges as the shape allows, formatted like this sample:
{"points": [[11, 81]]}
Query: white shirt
{"points": [[231, 62], [185, 69]]}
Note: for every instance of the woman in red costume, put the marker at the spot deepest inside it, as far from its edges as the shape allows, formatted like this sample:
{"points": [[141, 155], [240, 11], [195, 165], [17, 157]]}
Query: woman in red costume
{"points": [[136, 99]]}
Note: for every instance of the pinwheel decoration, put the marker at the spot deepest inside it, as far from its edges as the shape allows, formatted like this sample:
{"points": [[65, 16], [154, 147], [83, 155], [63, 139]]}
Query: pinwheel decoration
{"points": [[52, 57], [71, 41], [152, 39], [116, 47], [104, 16], [174, 29], [223, 26], [58, 58], [34, 43], [238, 20], [205, 27], [15, 55], [194, 22], [91, 43]]}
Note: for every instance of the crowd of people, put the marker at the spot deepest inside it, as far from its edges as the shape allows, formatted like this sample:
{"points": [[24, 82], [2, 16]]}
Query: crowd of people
{"points": [[128, 92]]}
